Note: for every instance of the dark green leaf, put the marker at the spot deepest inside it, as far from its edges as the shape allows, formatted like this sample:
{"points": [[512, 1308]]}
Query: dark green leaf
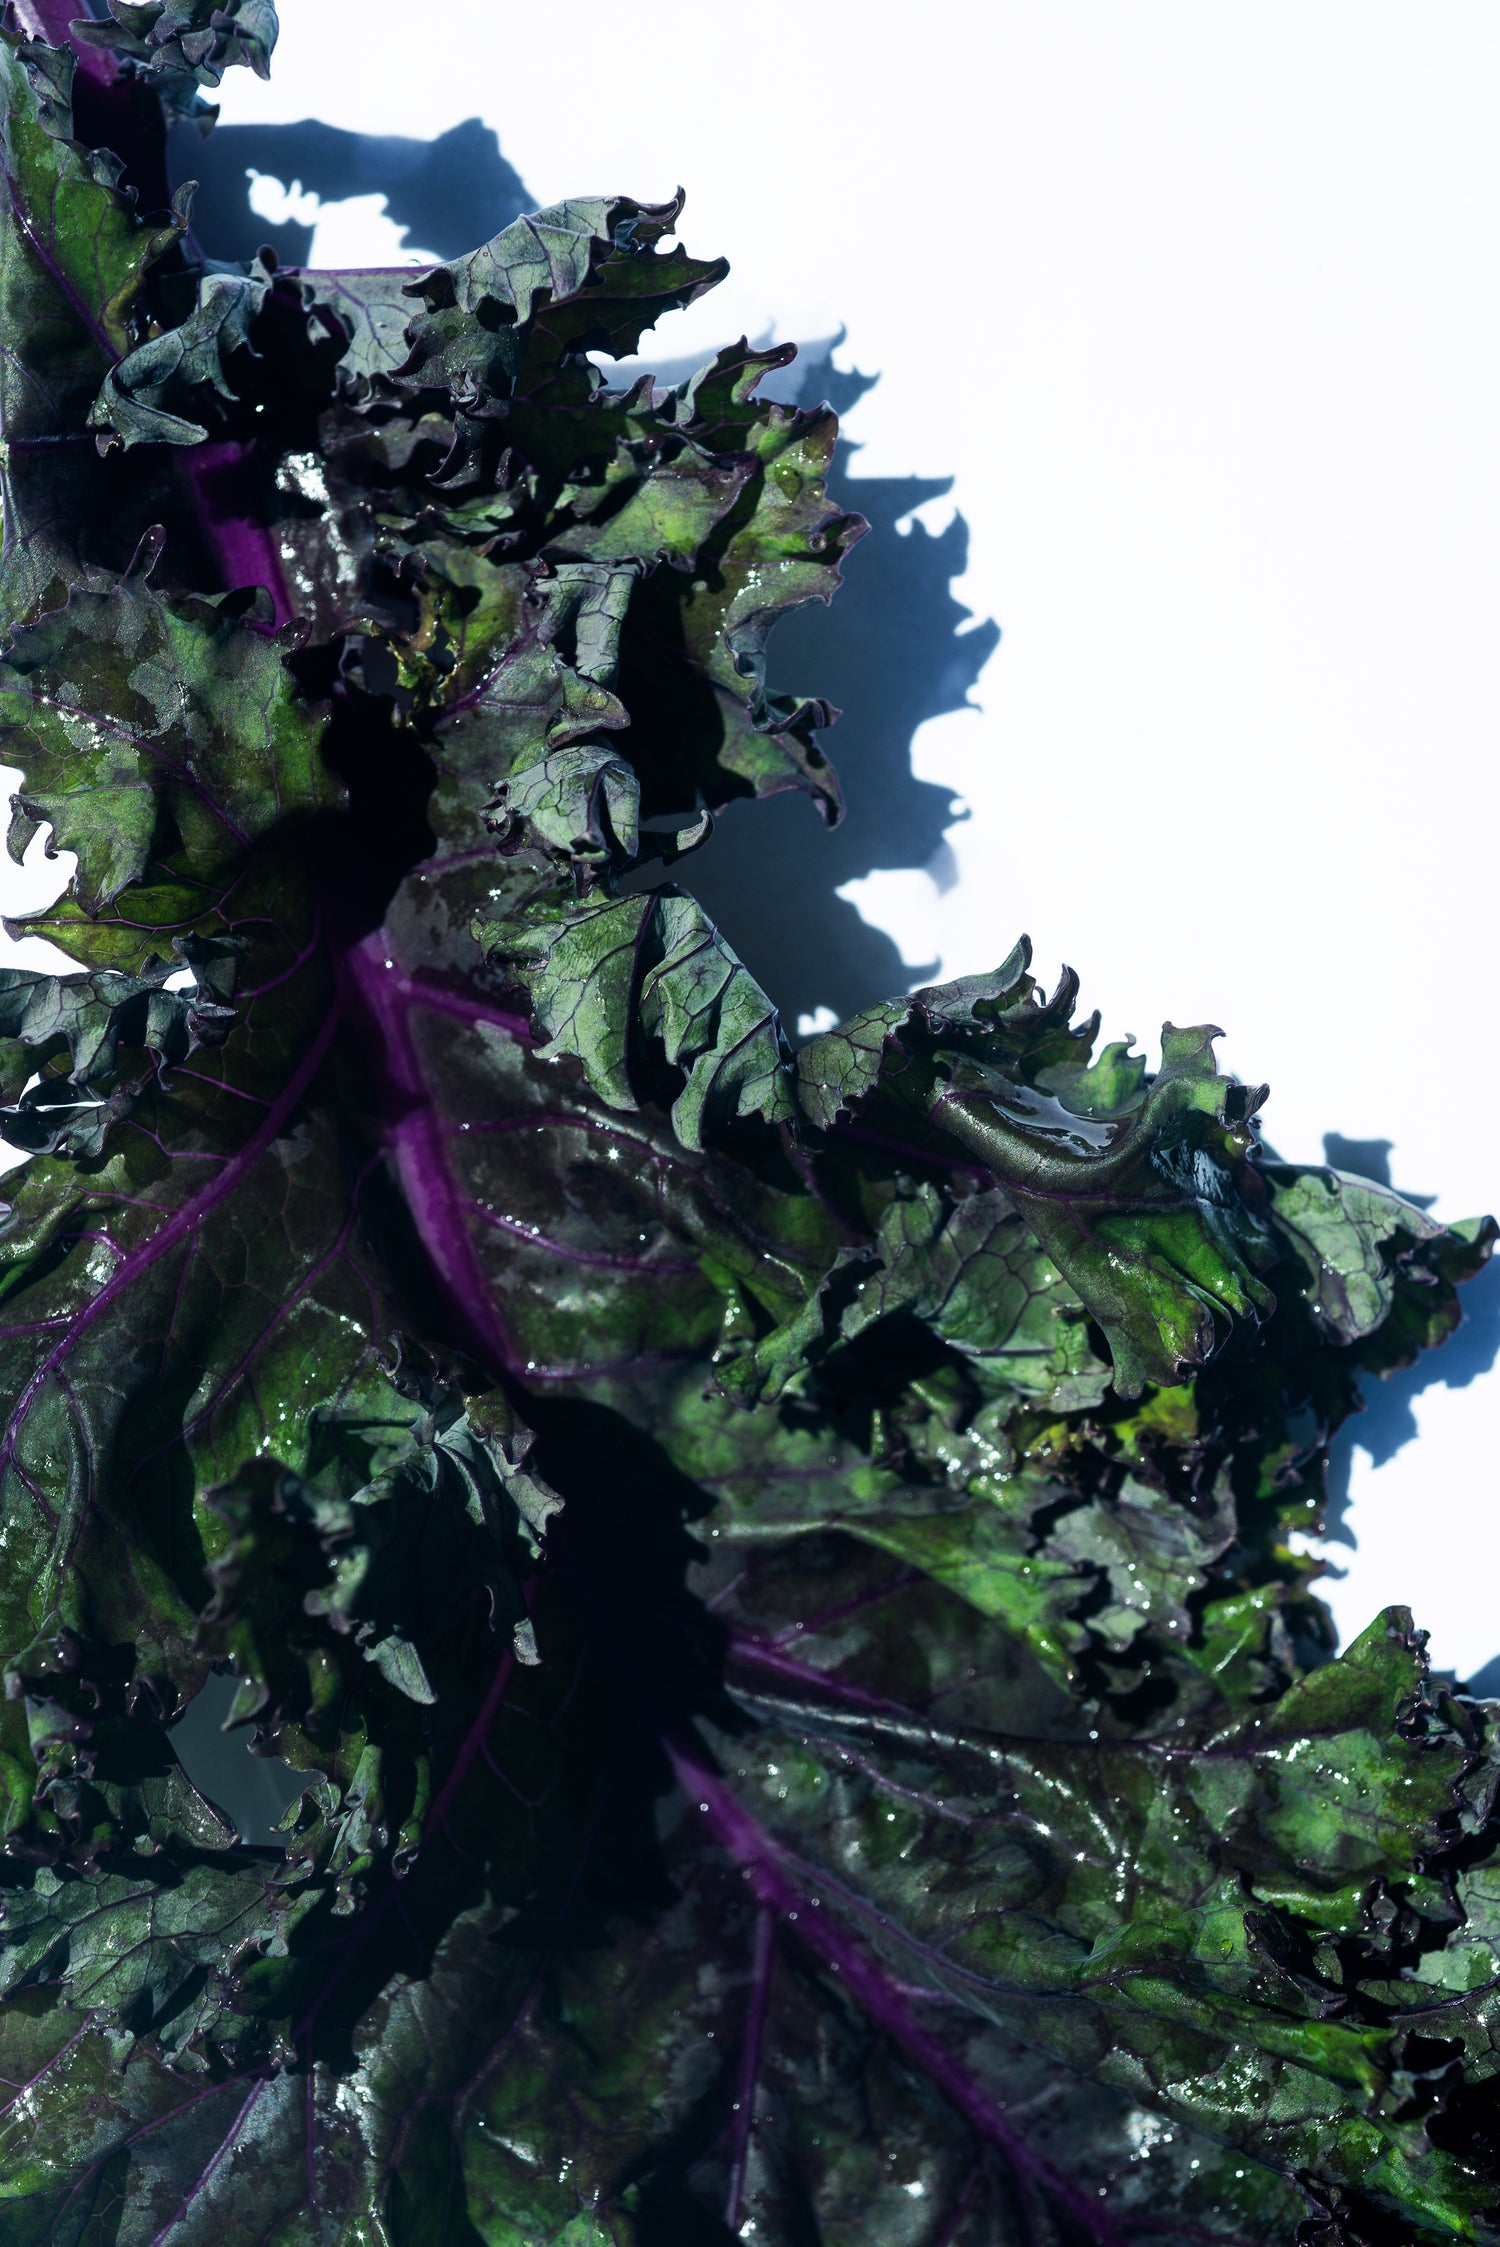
{"points": [[134, 401], [147, 727], [74, 258], [653, 969], [775, 1575], [196, 39]]}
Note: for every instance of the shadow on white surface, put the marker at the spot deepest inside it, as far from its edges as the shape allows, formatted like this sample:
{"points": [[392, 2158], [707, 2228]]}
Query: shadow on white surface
{"points": [[253, 1790], [893, 650], [345, 198], [1405, 1522]]}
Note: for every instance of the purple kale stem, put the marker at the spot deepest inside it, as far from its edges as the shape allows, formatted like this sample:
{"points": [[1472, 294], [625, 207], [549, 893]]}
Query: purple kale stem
{"points": [[49, 20], [750, 1845], [418, 1145], [179, 1226], [223, 482], [744, 2119]]}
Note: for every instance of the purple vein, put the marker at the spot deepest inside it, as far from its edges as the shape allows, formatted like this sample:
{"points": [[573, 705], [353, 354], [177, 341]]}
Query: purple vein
{"points": [[933, 1156], [273, 983], [436, 1000], [852, 1606], [1001, 1757], [101, 721], [755, 2023], [224, 2149], [222, 1084], [761, 1654], [666, 1269], [279, 1317], [30, 2082], [182, 1223], [159, 2122], [751, 1846], [418, 1142]]}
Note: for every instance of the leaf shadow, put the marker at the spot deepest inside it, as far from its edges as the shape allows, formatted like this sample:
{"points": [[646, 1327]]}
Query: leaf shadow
{"points": [[894, 649], [1388, 1422], [252, 1790], [447, 193]]}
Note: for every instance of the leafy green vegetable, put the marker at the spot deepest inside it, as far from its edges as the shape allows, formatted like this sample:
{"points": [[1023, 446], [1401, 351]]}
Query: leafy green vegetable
{"points": [[197, 37], [75, 257], [778, 1566], [180, 45]]}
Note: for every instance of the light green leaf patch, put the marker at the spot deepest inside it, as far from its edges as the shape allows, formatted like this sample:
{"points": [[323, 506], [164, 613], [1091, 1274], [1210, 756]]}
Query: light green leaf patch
{"points": [[145, 726]]}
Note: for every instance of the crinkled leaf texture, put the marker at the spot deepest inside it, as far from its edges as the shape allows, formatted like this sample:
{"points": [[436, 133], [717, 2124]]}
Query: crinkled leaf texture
{"points": [[777, 1564], [176, 46], [197, 38]]}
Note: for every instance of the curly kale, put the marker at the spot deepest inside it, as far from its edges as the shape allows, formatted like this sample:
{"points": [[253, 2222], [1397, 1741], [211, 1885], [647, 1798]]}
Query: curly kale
{"points": [[776, 1565]]}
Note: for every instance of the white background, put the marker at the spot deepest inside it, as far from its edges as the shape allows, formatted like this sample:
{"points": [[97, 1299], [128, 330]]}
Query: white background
{"points": [[1197, 302]]}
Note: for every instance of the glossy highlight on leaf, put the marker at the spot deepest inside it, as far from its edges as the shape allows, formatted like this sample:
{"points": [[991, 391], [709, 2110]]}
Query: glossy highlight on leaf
{"points": [[778, 1568]]}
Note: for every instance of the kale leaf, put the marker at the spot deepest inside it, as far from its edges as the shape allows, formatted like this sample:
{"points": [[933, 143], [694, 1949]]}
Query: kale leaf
{"points": [[777, 1565]]}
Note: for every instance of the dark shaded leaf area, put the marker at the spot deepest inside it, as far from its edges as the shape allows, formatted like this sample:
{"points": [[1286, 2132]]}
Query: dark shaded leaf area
{"points": [[780, 1565]]}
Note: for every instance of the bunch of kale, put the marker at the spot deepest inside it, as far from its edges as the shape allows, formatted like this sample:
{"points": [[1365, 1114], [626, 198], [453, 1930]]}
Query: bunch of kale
{"points": [[779, 1563]]}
